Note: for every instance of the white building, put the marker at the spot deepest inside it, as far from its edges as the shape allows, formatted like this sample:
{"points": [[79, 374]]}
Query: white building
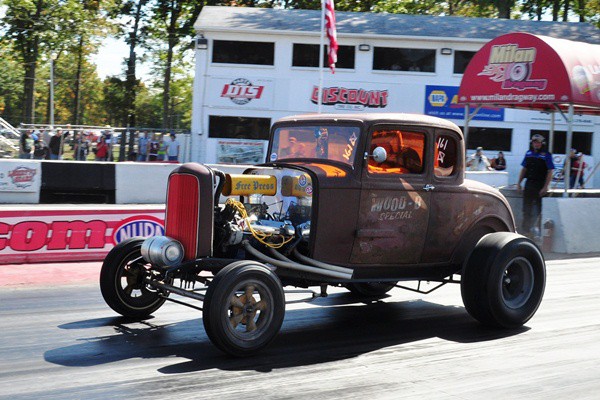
{"points": [[255, 65]]}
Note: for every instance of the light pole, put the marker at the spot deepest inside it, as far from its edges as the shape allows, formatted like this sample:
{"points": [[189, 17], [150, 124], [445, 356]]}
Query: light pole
{"points": [[52, 59]]}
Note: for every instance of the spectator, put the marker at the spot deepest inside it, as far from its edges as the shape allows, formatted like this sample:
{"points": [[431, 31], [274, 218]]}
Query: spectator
{"points": [[55, 145], [109, 139], [102, 149], [25, 145], [578, 167], [80, 146], [478, 161], [153, 146], [142, 147], [40, 150], [162, 148], [173, 148], [499, 163], [538, 168]]}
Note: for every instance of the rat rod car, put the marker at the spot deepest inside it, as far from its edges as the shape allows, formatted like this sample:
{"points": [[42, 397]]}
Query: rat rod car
{"points": [[355, 201]]}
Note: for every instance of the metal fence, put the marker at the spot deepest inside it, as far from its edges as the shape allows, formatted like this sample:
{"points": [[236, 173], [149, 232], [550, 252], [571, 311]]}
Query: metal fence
{"points": [[123, 143]]}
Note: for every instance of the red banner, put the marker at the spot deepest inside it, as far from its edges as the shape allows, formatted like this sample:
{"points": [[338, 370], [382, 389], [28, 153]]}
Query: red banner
{"points": [[53, 235]]}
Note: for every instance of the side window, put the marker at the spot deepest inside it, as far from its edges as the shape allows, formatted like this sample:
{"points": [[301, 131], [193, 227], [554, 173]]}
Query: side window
{"points": [[446, 151], [405, 152]]}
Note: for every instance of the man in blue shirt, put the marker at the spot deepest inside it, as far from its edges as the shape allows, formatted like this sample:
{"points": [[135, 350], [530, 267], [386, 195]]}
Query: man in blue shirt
{"points": [[538, 168]]}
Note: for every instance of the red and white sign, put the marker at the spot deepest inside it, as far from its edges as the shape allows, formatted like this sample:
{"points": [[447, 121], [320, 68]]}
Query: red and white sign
{"points": [[522, 70], [344, 98], [71, 235], [241, 91], [18, 176]]}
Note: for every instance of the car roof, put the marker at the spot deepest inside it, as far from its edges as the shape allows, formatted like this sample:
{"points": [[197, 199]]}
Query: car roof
{"points": [[371, 118]]}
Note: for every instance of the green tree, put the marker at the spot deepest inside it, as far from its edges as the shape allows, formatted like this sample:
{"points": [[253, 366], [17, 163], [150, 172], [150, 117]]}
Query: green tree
{"points": [[173, 22], [11, 87], [134, 20]]}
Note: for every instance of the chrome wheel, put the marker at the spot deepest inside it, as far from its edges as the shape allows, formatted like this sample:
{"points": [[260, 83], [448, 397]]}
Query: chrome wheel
{"points": [[517, 283]]}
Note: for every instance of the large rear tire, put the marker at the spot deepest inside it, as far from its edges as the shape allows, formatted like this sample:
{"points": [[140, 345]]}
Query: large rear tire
{"points": [[243, 308], [503, 280], [122, 281]]}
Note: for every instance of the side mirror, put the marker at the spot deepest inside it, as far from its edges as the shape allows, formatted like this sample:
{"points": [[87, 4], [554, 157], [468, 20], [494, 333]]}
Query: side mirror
{"points": [[379, 155]]}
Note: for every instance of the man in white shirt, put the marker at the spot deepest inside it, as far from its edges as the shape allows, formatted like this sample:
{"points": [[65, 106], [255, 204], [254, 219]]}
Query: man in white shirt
{"points": [[173, 148], [478, 161]]}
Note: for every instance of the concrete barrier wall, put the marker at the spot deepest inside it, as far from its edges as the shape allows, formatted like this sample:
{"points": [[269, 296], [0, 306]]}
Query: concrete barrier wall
{"points": [[141, 183], [20, 181], [576, 222]]}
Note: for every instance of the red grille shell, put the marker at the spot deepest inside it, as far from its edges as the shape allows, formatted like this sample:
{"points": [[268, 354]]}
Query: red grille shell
{"points": [[182, 214]]}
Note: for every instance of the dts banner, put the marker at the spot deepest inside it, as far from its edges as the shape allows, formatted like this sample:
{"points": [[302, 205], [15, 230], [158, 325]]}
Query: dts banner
{"points": [[60, 234]]}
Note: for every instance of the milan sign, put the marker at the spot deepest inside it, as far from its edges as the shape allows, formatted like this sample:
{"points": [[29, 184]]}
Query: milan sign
{"points": [[352, 99], [241, 91]]}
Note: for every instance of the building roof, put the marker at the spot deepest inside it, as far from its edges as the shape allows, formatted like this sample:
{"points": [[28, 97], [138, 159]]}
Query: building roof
{"points": [[244, 19]]}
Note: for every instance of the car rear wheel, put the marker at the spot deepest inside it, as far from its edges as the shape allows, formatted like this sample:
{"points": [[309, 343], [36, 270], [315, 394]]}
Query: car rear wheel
{"points": [[243, 308], [503, 280]]}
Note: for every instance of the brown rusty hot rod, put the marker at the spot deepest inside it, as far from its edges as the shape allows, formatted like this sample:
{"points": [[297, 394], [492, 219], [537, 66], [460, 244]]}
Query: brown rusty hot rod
{"points": [[355, 201]]}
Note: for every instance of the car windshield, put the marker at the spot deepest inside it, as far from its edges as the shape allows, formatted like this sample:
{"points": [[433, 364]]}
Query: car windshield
{"points": [[329, 142]]}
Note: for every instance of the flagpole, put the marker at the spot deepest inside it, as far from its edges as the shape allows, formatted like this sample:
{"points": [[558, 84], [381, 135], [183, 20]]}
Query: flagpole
{"points": [[321, 49]]}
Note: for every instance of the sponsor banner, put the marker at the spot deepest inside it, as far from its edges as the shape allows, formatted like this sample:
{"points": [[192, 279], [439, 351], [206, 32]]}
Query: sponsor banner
{"points": [[240, 151], [526, 70], [16, 176], [241, 92], [558, 119], [348, 97], [442, 101], [63, 235]]}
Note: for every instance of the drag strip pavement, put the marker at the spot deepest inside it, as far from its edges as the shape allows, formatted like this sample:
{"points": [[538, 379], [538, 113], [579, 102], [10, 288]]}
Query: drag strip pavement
{"points": [[63, 342]]}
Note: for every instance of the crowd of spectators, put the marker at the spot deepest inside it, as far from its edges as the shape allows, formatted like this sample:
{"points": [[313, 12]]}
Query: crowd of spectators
{"points": [[88, 145]]}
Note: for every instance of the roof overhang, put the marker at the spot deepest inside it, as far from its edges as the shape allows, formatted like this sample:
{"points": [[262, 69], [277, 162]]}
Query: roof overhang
{"points": [[521, 70]]}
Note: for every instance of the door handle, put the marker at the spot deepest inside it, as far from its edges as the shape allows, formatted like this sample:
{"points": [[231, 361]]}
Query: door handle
{"points": [[428, 187]]}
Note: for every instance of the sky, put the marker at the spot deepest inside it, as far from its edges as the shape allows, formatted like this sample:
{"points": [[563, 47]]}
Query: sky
{"points": [[109, 60]]}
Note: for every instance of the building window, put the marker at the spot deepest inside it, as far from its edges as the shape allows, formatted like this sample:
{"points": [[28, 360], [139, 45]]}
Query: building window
{"points": [[582, 141], [307, 55], [238, 127], [489, 138], [396, 59], [237, 52], [461, 60]]}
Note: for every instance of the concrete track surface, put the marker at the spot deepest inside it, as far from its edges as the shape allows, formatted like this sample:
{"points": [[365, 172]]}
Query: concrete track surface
{"points": [[60, 341]]}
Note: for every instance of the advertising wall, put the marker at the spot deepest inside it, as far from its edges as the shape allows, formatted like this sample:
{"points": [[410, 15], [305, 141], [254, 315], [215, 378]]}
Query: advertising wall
{"points": [[67, 233], [20, 181]]}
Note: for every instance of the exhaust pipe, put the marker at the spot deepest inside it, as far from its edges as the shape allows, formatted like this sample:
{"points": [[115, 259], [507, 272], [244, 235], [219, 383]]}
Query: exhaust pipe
{"points": [[294, 265]]}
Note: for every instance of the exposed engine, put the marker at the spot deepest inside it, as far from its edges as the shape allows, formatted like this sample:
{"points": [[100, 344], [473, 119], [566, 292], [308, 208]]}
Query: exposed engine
{"points": [[269, 206]]}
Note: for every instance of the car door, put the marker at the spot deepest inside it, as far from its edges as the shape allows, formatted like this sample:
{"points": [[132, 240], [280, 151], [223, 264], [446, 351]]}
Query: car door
{"points": [[450, 204], [394, 201]]}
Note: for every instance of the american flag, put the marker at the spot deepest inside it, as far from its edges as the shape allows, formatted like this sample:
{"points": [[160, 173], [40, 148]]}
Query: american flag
{"points": [[331, 33]]}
